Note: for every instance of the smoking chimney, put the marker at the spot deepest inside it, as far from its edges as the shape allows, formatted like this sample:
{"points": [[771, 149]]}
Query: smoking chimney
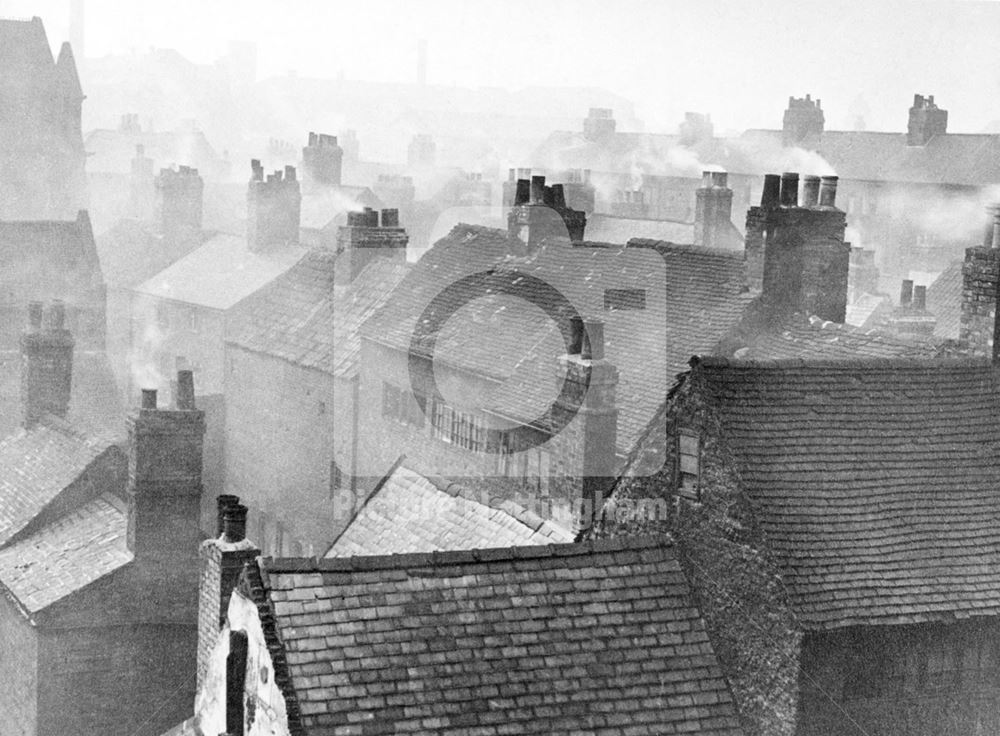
{"points": [[222, 560], [540, 212], [713, 210], [46, 363], [926, 121], [364, 239], [322, 162]]}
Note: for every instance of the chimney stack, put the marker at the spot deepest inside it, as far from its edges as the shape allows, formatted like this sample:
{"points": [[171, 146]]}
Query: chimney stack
{"points": [[274, 208], [364, 239], [599, 125], [906, 293], [713, 210], [803, 120], [178, 206], [587, 408], [222, 559], [540, 212], [796, 255], [322, 162], [980, 329], [919, 298], [926, 121], [46, 363]]}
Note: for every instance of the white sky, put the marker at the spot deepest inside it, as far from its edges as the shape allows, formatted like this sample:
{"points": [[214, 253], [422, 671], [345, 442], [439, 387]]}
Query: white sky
{"points": [[737, 59]]}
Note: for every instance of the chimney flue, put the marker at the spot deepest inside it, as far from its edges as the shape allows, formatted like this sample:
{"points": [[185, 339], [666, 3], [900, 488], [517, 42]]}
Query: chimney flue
{"points": [[223, 501], [771, 194], [148, 398], [234, 523], [576, 335], [906, 293], [593, 340], [810, 191], [920, 297], [828, 191], [789, 196], [185, 390]]}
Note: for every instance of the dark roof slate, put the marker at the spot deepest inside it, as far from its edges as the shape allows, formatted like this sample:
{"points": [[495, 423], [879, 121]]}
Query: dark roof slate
{"points": [[600, 637], [876, 482]]}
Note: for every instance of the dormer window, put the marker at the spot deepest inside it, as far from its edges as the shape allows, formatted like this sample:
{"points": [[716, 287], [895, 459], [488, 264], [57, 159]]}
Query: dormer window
{"points": [[689, 464]]}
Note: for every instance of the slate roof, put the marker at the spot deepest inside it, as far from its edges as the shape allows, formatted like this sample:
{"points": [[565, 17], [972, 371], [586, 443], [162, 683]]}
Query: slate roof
{"points": [[868, 310], [412, 513], [63, 557], [817, 339], [37, 464], [876, 482], [304, 318], [944, 301], [131, 252], [599, 637], [221, 273], [690, 304]]}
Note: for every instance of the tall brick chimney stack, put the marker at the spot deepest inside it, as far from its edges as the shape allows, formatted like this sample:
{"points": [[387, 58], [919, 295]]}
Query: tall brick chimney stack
{"points": [[322, 162], [926, 121], [591, 381], [164, 477], [274, 208], [365, 238], [713, 210], [178, 211], [980, 329], [803, 121], [795, 249], [46, 363], [540, 212], [222, 559]]}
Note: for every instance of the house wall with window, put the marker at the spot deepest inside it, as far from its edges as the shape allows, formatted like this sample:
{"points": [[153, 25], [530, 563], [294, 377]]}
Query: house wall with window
{"points": [[297, 505], [917, 680]]}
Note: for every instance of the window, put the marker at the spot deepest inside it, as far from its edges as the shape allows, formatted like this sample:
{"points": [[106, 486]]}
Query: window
{"points": [[403, 406], [236, 673], [457, 428], [688, 464]]}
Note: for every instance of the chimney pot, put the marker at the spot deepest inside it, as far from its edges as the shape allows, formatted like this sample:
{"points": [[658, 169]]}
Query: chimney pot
{"points": [[771, 194], [234, 523], [390, 218], [828, 191], [576, 335], [537, 189], [706, 179], [148, 398], [906, 293], [810, 191], [223, 501], [789, 196], [185, 390], [558, 197], [920, 297], [523, 192]]}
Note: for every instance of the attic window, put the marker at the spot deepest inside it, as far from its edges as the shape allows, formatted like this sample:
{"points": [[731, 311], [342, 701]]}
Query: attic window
{"points": [[624, 299], [689, 464]]}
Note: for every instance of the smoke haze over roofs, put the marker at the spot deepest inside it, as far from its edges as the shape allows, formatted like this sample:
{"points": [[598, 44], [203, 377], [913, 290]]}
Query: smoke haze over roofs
{"points": [[737, 60]]}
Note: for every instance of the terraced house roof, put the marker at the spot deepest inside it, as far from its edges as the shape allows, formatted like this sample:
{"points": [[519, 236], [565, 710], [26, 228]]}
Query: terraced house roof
{"points": [[599, 637]]}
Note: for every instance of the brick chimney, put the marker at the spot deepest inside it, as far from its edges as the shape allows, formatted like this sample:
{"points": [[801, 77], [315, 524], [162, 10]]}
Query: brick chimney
{"points": [[540, 212], [222, 560], [141, 200], [422, 151], [926, 121], [274, 208], [179, 205], [980, 329], [366, 238], [862, 274], [322, 162], [164, 476], [713, 210], [590, 387], [46, 363], [803, 120], [599, 125], [795, 251]]}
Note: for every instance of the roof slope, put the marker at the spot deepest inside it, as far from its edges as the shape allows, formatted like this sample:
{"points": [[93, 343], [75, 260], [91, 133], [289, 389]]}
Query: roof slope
{"points": [[304, 318], [600, 637], [37, 464], [66, 555], [877, 483], [944, 301], [221, 273], [692, 298], [410, 513]]}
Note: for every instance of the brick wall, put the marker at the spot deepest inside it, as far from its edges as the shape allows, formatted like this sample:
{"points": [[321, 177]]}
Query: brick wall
{"points": [[980, 276], [306, 418], [18, 672], [918, 680]]}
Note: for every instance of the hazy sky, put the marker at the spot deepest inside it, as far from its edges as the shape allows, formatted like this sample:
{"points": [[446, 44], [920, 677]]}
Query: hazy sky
{"points": [[737, 60]]}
